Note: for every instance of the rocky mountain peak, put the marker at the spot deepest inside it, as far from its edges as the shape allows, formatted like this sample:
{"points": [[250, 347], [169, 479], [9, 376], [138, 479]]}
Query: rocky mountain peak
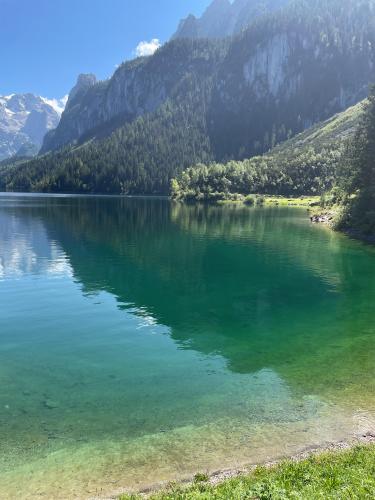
{"points": [[223, 18], [187, 28], [84, 82]]}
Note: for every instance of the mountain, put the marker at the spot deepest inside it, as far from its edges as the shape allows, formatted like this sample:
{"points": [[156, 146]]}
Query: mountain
{"points": [[24, 121], [223, 18], [72, 109], [137, 87], [290, 70], [202, 100]]}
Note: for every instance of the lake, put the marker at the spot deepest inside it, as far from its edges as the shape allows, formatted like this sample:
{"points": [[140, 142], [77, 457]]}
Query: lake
{"points": [[144, 341]]}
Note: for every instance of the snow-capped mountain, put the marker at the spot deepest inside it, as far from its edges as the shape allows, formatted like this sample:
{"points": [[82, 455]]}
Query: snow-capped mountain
{"points": [[24, 121]]}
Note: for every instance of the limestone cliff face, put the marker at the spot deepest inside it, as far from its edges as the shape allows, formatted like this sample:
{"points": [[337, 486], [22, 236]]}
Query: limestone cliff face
{"points": [[72, 127], [286, 72], [136, 88], [266, 69], [294, 70]]}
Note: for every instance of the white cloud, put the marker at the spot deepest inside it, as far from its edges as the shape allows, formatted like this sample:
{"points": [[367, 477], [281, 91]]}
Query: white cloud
{"points": [[147, 48]]}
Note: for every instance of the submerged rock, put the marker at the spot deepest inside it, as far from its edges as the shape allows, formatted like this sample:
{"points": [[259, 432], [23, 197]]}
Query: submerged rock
{"points": [[50, 404]]}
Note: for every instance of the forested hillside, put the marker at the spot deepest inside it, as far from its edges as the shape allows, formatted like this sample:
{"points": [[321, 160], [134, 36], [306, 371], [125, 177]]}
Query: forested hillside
{"points": [[138, 158], [308, 164]]}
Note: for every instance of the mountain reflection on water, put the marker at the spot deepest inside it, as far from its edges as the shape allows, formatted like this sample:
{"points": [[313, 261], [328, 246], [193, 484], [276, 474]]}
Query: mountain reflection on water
{"points": [[260, 287]]}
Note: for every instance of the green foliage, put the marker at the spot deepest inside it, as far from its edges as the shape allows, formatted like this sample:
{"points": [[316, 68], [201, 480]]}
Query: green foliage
{"points": [[331, 475], [356, 187], [304, 165], [201, 477], [250, 200]]}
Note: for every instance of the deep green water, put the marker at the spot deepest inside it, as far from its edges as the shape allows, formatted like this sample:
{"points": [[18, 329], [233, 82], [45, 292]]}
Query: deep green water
{"points": [[143, 341]]}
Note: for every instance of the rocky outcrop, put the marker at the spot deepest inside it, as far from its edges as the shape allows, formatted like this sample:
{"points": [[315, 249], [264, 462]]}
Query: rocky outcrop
{"points": [[223, 18], [324, 218], [84, 82]]}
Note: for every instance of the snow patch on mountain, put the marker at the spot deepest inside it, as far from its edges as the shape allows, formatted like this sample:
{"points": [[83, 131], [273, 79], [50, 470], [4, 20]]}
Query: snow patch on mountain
{"points": [[24, 121], [57, 104]]}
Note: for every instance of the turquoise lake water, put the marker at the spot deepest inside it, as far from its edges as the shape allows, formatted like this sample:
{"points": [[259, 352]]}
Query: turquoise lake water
{"points": [[143, 341]]}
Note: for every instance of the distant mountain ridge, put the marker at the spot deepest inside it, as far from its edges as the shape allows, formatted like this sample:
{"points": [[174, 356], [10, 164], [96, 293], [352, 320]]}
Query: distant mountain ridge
{"points": [[24, 121], [223, 18]]}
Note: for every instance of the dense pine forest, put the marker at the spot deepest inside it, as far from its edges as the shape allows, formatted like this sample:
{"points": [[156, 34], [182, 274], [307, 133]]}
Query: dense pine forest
{"points": [[356, 180]]}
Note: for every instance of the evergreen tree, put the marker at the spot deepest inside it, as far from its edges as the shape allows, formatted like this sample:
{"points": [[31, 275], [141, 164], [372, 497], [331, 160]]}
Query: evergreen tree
{"points": [[357, 176]]}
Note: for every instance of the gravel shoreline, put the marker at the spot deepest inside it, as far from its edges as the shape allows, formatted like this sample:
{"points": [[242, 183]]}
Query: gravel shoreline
{"points": [[219, 476]]}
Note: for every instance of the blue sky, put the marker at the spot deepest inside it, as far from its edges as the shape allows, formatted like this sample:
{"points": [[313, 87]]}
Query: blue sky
{"points": [[45, 44]]}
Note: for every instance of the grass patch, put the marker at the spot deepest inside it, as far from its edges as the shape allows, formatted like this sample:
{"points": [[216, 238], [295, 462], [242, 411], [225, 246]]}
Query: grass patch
{"points": [[201, 477], [348, 474], [259, 200], [302, 201]]}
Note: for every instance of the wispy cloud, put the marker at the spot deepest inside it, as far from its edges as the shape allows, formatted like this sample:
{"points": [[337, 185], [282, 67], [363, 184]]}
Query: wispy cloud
{"points": [[147, 48]]}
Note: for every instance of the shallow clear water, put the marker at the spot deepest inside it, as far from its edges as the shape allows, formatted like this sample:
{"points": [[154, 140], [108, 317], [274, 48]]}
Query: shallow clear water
{"points": [[143, 341]]}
